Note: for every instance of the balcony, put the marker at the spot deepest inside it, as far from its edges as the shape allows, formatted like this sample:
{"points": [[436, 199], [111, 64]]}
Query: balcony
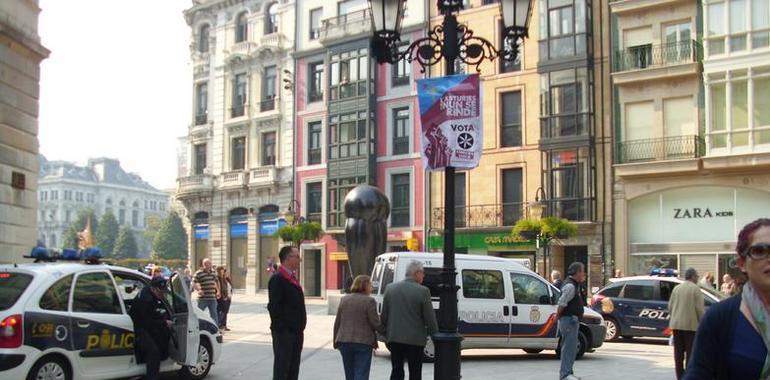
{"points": [[268, 104], [660, 149], [201, 118], [263, 177], [234, 179], [574, 208], [241, 49], [275, 40], [345, 26], [648, 62], [237, 110], [194, 184], [482, 216], [201, 64]]}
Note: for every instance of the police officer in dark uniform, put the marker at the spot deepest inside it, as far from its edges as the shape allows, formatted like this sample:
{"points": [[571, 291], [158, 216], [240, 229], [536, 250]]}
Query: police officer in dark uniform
{"points": [[152, 327], [570, 311]]}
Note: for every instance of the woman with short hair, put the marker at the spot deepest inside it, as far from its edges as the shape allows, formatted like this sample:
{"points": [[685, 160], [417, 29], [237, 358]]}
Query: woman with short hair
{"points": [[355, 329]]}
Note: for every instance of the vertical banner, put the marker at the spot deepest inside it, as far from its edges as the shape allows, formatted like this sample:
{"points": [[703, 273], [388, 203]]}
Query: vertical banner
{"points": [[450, 112]]}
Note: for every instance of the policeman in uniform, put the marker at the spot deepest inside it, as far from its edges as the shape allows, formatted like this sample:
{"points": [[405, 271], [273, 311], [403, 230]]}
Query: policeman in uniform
{"points": [[152, 327]]}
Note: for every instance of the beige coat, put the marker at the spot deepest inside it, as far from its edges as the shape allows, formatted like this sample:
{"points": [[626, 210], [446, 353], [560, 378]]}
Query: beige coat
{"points": [[357, 320], [685, 307]]}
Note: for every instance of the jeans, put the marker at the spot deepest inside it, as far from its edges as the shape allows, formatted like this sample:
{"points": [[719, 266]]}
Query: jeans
{"points": [[223, 307], [357, 359], [211, 304], [682, 349], [287, 353], [413, 356], [568, 329]]}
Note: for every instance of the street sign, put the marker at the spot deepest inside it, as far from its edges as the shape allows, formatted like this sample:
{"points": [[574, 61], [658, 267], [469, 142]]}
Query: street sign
{"points": [[338, 256]]}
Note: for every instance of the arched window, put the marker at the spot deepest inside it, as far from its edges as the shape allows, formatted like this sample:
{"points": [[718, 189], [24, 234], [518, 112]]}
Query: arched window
{"points": [[271, 21], [201, 217], [136, 204], [122, 203], [241, 28], [109, 201], [203, 39]]}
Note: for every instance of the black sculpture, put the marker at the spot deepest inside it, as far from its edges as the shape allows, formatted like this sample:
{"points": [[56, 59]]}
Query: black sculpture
{"points": [[367, 210]]}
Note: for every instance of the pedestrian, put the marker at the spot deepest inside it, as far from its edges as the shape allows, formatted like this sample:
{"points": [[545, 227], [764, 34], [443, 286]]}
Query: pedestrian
{"points": [[355, 328], [288, 317], [407, 313], [569, 312], [556, 279], [707, 281], [188, 278], [733, 337], [727, 287], [156, 272], [152, 327], [206, 284], [685, 310], [226, 296]]}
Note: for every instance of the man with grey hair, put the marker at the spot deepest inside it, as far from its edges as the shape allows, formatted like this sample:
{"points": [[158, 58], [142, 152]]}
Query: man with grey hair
{"points": [[570, 311], [556, 279], [686, 309], [407, 313]]}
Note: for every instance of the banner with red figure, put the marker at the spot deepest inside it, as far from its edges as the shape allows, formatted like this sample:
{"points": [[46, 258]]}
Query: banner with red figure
{"points": [[450, 112]]}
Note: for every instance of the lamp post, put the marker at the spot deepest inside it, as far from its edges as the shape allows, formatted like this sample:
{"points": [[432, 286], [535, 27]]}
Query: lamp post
{"points": [[451, 41]]}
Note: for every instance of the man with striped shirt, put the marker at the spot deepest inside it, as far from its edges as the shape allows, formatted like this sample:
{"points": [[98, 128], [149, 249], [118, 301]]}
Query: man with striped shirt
{"points": [[206, 284]]}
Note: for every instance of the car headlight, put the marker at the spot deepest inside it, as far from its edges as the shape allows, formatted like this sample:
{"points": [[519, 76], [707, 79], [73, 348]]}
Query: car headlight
{"points": [[592, 320]]}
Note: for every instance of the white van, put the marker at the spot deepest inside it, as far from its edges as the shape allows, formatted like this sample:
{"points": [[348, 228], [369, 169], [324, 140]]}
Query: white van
{"points": [[501, 304]]}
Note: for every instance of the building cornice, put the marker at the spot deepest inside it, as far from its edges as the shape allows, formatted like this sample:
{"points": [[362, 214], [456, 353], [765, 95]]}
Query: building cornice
{"points": [[17, 39]]}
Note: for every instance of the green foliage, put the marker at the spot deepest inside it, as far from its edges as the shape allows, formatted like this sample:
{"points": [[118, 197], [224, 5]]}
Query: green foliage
{"points": [[548, 228], [70, 238], [125, 246], [289, 234], [171, 240], [525, 225], [152, 225], [301, 232], [107, 233]]}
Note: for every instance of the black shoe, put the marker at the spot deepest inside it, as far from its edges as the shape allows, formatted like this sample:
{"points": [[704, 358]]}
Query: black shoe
{"points": [[227, 329]]}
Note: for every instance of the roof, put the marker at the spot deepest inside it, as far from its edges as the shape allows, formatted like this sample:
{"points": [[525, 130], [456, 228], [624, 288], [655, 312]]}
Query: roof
{"points": [[458, 257], [675, 279], [100, 170]]}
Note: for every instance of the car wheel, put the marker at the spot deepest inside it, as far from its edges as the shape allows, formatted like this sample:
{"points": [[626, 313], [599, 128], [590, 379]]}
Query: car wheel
{"points": [[581, 349], [533, 350], [50, 368], [429, 352], [200, 370], [613, 329]]}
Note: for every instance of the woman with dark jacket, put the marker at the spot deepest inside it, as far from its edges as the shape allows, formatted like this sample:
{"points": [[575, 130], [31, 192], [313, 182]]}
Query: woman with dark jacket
{"points": [[223, 303], [734, 335], [355, 327]]}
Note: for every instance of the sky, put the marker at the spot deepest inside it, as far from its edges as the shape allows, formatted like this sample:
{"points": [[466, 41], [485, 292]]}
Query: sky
{"points": [[118, 83]]}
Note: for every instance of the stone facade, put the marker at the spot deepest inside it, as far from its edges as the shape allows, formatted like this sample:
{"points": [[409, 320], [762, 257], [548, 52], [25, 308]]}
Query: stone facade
{"points": [[20, 56]]}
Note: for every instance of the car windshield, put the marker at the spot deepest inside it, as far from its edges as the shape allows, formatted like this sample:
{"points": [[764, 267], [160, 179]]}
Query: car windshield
{"points": [[12, 285]]}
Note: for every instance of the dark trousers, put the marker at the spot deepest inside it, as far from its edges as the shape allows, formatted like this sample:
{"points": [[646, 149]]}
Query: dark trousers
{"points": [[150, 355], [287, 352], [682, 349], [223, 307], [413, 356], [356, 359]]}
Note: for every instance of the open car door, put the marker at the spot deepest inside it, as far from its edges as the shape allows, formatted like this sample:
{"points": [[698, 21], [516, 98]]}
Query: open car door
{"points": [[184, 349]]}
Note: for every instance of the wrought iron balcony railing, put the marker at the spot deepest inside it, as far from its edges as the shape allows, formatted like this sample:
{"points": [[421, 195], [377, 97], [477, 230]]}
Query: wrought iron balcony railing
{"points": [[314, 156], [660, 149], [201, 118], [347, 24], [574, 209], [649, 56], [267, 104], [482, 216], [238, 110]]}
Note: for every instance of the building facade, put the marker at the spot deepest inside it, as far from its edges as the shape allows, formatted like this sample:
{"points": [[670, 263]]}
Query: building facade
{"points": [[238, 181], [691, 84], [66, 188], [356, 123], [20, 55]]}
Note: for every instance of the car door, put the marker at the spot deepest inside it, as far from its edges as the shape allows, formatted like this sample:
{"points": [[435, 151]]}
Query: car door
{"points": [[102, 331], [533, 318], [184, 346], [640, 305], [484, 308]]}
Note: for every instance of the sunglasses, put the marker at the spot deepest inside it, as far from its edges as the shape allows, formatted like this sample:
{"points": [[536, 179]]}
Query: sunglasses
{"points": [[758, 251]]}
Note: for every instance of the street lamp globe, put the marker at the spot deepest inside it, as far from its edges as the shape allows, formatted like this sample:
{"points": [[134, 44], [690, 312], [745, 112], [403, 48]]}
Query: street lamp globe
{"points": [[386, 18], [516, 16]]}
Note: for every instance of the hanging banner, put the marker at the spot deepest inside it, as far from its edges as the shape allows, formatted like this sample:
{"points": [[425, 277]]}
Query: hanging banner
{"points": [[450, 112]]}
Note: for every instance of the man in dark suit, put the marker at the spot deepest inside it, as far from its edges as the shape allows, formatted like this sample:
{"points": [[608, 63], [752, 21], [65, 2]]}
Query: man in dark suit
{"points": [[287, 315], [152, 327]]}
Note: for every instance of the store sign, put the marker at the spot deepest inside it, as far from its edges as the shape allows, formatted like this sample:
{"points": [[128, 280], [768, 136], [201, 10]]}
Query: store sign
{"points": [[338, 256], [697, 212], [483, 241]]}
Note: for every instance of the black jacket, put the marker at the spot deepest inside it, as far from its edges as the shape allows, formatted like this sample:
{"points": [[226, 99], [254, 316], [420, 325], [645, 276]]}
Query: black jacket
{"points": [[150, 314], [713, 340], [575, 305], [286, 305]]}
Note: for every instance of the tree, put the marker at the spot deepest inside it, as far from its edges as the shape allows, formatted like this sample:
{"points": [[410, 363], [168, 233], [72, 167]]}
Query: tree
{"points": [[125, 246], [70, 238], [152, 224], [107, 233], [171, 240]]}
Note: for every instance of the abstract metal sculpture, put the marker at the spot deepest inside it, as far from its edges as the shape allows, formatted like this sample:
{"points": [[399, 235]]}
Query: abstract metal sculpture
{"points": [[366, 212]]}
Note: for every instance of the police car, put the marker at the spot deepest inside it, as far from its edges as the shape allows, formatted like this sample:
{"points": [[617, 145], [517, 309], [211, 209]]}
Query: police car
{"points": [[69, 320], [638, 306]]}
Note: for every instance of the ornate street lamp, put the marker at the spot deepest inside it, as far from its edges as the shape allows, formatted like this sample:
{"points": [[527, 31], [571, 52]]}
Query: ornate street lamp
{"points": [[450, 41]]}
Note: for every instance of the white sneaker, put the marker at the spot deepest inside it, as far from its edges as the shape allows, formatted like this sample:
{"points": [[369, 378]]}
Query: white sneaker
{"points": [[571, 377]]}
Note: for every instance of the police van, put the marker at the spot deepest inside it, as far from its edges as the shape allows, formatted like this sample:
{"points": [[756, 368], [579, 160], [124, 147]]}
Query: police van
{"points": [[501, 304], [65, 320]]}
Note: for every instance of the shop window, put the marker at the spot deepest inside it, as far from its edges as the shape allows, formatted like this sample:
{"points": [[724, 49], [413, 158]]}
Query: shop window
{"points": [[484, 284]]}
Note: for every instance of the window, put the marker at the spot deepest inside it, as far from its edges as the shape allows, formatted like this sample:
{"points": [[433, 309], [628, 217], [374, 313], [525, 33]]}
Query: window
{"points": [[268, 149], [238, 151], [678, 119], [67, 195], [315, 23], [239, 95], [643, 290], [314, 198], [203, 39], [507, 66], [67, 216], [315, 89], [401, 129], [485, 284], [347, 135], [737, 26], [200, 158], [512, 196], [241, 28], [639, 124], [314, 143], [338, 189], [738, 111], [54, 195], [565, 103], [528, 290], [95, 293], [350, 6], [612, 290], [568, 183], [349, 74], [57, 297], [268, 89], [78, 196], [666, 287], [135, 218], [129, 288], [400, 196], [401, 70], [201, 101], [460, 195], [563, 28], [510, 130], [121, 216], [271, 21], [678, 42]]}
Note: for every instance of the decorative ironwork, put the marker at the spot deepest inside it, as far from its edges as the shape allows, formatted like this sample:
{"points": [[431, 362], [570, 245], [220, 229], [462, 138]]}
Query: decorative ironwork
{"points": [[666, 148], [648, 56], [482, 216]]}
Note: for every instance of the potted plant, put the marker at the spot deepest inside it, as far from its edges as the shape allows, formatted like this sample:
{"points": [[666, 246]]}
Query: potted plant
{"points": [[560, 228], [527, 228], [296, 234]]}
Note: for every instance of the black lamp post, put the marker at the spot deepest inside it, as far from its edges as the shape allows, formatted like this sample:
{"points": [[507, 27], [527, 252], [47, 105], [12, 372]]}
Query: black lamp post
{"points": [[450, 41]]}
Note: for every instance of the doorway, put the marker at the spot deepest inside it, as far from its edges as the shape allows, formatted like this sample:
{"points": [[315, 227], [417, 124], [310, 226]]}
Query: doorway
{"points": [[311, 274], [573, 253], [239, 231]]}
